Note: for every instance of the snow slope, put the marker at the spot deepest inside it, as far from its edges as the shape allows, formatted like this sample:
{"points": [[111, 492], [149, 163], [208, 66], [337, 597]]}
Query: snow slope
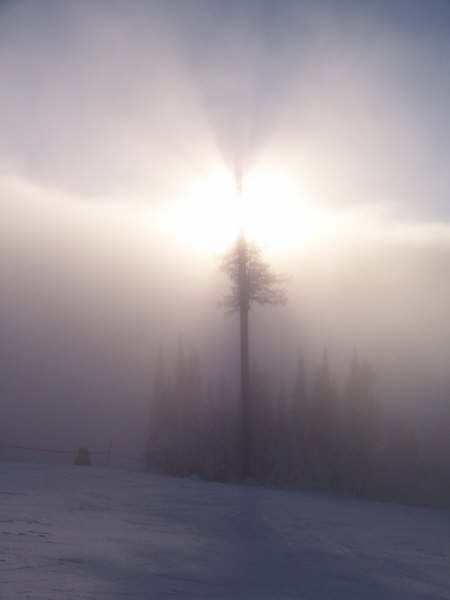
{"points": [[89, 533]]}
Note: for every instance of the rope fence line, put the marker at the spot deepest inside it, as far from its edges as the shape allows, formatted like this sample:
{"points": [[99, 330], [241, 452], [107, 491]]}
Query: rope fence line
{"points": [[51, 450], [107, 453]]}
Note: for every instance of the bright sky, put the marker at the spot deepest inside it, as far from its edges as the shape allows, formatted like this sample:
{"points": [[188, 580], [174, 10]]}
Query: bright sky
{"points": [[327, 114]]}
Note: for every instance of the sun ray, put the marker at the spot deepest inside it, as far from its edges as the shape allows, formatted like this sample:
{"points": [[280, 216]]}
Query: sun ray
{"points": [[269, 209]]}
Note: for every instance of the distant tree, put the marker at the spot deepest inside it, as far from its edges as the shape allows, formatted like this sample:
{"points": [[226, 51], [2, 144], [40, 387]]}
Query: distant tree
{"points": [[186, 399], [283, 448], [176, 432], [401, 461], [158, 443], [437, 452], [251, 281], [300, 421], [218, 433], [264, 431], [178, 417], [193, 400], [359, 425], [323, 431]]}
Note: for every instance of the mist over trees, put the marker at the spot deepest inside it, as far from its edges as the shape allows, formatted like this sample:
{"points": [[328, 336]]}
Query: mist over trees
{"points": [[312, 432], [95, 273]]}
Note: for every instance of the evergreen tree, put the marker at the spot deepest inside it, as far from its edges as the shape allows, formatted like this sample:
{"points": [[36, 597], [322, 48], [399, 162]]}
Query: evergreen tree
{"points": [[193, 404], [282, 443], [263, 433], [323, 440], [159, 442], [251, 281], [359, 426], [300, 423], [401, 457]]}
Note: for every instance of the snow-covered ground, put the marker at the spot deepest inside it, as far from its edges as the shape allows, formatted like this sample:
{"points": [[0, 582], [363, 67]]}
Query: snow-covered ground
{"points": [[70, 532]]}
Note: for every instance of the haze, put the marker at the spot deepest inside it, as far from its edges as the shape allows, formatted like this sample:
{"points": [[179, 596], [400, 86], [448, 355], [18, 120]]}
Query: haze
{"points": [[123, 130]]}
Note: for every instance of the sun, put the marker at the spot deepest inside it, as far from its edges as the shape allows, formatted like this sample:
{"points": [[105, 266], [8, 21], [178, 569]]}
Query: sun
{"points": [[275, 213], [270, 210], [204, 216]]}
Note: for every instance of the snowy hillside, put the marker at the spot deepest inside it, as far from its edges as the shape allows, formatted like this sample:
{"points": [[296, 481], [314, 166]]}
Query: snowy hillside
{"points": [[91, 533]]}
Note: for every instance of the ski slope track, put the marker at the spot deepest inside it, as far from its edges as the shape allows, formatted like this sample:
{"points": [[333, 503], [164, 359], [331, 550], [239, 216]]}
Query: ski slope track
{"points": [[70, 532]]}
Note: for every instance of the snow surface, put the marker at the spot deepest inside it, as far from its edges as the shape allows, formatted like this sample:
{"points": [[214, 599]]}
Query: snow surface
{"points": [[70, 532]]}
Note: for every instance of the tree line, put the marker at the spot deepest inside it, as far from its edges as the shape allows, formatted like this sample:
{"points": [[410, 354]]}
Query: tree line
{"points": [[310, 433]]}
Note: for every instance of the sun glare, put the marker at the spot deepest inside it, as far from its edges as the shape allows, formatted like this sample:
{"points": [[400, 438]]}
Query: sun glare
{"points": [[270, 210], [275, 213]]}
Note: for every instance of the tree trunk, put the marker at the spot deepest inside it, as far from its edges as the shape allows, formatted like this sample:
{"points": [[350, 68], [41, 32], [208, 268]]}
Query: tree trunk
{"points": [[244, 306], [245, 395]]}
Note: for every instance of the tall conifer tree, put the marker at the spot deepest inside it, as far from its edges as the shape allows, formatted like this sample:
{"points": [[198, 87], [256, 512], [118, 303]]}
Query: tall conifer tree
{"points": [[251, 281]]}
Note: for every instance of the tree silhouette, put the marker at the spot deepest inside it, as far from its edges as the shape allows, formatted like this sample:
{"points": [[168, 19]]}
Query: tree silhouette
{"points": [[359, 425], [323, 427], [158, 443], [251, 281]]}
